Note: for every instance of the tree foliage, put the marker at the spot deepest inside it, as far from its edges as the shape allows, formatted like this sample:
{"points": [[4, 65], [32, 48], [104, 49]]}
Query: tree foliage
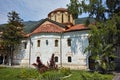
{"points": [[73, 8], [101, 46], [13, 32], [104, 35]]}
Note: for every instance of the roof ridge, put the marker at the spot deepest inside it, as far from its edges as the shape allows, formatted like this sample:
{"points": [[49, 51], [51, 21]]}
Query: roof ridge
{"points": [[47, 19]]}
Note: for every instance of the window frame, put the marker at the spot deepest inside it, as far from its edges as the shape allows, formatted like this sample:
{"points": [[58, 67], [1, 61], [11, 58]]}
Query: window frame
{"points": [[25, 45], [56, 43], [38, 43], [47, 42], [69, 59], [69, 42], [56, 58]]}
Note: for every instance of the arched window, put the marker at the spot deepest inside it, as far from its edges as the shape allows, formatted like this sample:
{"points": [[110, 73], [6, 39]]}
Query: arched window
{"points": [[55, 17], [69, 42], [56, 43], [46, 42], [69, 59], [69, 18], [38, 43], [62, 18], [25, 45], [56, 59]]}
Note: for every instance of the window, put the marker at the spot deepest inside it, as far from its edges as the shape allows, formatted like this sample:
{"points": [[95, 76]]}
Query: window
{"points": [[25, 45], [38, 43], [55, 17], [62, 18], [56, 43], [69, 18], [46, 42], [69, 59], [69, 42], [56, 59]]}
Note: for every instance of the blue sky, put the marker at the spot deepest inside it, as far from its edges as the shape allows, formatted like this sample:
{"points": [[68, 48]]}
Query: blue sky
{"points": [[30, 10]]}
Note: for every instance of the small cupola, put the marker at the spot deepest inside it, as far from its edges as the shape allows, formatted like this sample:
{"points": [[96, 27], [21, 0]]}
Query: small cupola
{"points": [[61, 15]]}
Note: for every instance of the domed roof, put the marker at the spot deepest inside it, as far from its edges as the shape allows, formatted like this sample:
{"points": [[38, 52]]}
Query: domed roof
{"points": [[58, 9]]}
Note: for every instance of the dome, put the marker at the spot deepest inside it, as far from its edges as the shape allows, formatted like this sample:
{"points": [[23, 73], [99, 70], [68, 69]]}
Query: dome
{"points": [[58, 9], [61, 15]]}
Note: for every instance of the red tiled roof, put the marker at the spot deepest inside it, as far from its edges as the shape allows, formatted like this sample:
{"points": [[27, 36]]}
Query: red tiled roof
{"points": [[51, 27], [77, 27], [58, 9], [48, 28], [27, 35]]}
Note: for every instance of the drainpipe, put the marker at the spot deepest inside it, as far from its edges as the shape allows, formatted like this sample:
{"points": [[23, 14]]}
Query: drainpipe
{"points": [[30, 51], [61, 49]]}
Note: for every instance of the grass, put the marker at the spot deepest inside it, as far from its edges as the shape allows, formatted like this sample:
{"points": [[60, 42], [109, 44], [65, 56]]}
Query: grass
{"points": [[30, 74], [85, 75], [9, 73]]}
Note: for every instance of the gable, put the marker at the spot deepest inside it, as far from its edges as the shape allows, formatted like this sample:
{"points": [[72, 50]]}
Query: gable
{"points": [[48, 26]]}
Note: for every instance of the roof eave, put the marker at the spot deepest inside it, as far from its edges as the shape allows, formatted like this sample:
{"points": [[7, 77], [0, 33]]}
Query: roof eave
{"points": [[77, 30]]}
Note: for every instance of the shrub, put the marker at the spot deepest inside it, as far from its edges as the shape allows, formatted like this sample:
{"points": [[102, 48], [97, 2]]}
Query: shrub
{"points": [[27, 74], [65, 71], [52, 64], [52, 75], [43, 68], [56, 74], [94, 76], [39, 65]]}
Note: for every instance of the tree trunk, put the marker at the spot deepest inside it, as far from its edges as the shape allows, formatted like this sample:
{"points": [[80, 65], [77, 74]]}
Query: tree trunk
{"points": [[9, 61], [10, 57]]}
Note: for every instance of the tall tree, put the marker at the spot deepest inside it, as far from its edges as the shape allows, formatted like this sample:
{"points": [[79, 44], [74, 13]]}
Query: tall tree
{"points": [[105, 33], [101, 50], [12, 34], [73, 8]]}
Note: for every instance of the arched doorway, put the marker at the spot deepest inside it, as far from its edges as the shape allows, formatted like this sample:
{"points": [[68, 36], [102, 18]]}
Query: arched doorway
{"points": [[91, 63]]}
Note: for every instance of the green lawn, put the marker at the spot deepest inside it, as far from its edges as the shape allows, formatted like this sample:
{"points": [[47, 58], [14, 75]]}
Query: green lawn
{"points": [[85, 75], [30, 74], [17, 73], [9, 73]]}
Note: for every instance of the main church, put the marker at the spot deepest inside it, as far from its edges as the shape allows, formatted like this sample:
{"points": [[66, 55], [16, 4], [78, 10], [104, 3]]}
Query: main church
{"points": [[59, 35]]}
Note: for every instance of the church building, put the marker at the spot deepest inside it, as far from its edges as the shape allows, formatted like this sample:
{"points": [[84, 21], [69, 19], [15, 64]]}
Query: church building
{"points": [[59, 35]]}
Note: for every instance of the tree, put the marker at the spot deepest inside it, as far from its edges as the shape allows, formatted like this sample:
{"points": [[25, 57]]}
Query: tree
{"points": [[101, 50], [104, 35], [107, 14], [73, 8], [12, 34]]}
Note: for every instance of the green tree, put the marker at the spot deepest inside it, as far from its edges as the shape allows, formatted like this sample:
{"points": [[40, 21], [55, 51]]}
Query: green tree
{"points": [[12, 34], [73, 8], [101, 50], [104, 35], [107, 14]]}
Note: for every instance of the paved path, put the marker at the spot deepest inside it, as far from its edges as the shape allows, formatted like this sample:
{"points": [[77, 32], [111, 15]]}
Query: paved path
{"points": [[117, 76]]}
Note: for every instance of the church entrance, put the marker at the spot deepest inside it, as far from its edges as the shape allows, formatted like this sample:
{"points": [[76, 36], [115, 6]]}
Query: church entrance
{"points": [[91, 63], [117, 59]]}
